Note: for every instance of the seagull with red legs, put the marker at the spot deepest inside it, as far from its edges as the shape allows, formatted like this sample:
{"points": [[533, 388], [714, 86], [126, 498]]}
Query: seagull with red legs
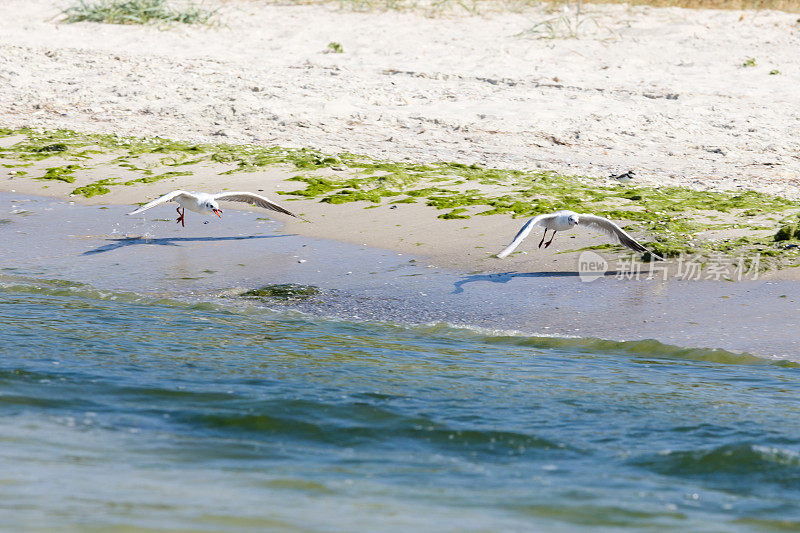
{"points": [[208, 204], [564, 220]]}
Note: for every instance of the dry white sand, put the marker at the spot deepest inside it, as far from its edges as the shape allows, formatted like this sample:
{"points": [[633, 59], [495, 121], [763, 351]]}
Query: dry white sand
{"points": [[661, 91]]}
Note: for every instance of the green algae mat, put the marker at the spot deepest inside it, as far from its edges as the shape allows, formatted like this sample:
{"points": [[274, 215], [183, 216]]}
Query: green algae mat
{"points": [[679, 220]]}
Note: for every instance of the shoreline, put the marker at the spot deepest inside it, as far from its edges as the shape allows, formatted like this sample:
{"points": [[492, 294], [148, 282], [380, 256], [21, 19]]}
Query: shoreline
{"points": [[435, 212], [209, 261], [376, 231]]}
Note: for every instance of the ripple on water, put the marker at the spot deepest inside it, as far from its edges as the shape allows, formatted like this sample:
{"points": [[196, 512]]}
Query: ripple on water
{"points": [[210, 410]]}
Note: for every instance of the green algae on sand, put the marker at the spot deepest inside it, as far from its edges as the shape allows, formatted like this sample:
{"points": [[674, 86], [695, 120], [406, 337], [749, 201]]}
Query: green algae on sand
{"points": [[678, 220], [283, 291]]}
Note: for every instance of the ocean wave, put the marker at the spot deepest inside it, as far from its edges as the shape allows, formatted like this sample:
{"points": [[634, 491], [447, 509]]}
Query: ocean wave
{"points": [[736, 465], [649, 348], [356, 424]]}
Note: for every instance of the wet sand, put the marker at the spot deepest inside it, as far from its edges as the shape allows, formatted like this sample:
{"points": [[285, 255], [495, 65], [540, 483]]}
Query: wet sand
{"points": [[412, 88], [462, 245], [98, 245]]}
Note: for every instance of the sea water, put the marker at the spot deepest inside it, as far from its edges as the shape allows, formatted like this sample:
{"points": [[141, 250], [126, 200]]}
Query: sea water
{"points": [[129, 412]]}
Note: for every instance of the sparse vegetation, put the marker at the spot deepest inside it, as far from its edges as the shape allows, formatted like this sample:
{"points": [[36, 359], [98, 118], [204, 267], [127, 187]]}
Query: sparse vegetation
{"points": [[749, 62], [138, 12], [562, 27], [567, 25], [334, 48], [782, 5], [436, 7]]}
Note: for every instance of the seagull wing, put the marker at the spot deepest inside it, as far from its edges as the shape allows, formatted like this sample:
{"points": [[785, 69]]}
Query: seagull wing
{"points": [[253, 199], [163, 199], [523, 232], [605, 226]]}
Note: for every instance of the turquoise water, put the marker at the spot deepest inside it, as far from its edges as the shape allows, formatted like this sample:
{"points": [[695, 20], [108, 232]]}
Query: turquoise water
{"points": [[121, 412]]}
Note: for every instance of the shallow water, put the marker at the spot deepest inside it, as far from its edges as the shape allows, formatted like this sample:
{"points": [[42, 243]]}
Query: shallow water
{"points": [[127, 412], [46, 238]]}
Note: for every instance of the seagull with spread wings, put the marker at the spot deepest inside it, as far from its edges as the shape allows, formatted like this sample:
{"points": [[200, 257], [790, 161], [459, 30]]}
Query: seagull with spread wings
{"points": [[207, 204], [564, 220]]}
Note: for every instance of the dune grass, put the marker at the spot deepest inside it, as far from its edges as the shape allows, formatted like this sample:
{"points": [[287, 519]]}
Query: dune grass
{"points": [[792, 6], [138, 12], [188, 12], [434, 7]]}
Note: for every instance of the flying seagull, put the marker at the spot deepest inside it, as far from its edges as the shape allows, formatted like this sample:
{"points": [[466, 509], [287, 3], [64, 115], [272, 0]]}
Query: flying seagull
{"points": [[206, 204], [564, 220]]}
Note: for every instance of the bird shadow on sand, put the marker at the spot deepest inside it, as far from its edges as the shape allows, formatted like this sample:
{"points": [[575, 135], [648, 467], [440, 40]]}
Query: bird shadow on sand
{"points": [[505, 277], [168, 241]]}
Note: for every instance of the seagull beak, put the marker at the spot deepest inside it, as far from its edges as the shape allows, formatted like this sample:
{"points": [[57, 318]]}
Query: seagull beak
{"points": [[218, 212]]}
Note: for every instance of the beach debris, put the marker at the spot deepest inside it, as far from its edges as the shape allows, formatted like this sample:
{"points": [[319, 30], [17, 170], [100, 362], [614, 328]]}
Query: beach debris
{"points": [[624, 177], [207, 204], [283, 291], [564, 220], [787, 232]]}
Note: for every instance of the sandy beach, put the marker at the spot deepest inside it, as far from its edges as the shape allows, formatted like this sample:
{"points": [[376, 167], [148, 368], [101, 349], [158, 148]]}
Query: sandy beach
{"points": [[663, 92], [408, 87], [469, 89]]}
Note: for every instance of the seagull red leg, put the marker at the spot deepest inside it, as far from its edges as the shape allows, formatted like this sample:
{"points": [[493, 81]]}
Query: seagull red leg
{"points": [[180, 217], [551, 239], [543, 237]]}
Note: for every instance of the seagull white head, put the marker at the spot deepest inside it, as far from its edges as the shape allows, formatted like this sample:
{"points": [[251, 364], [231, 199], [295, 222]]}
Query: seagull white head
{"points": [[213, 206], [206, 204], [565, 220]]}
